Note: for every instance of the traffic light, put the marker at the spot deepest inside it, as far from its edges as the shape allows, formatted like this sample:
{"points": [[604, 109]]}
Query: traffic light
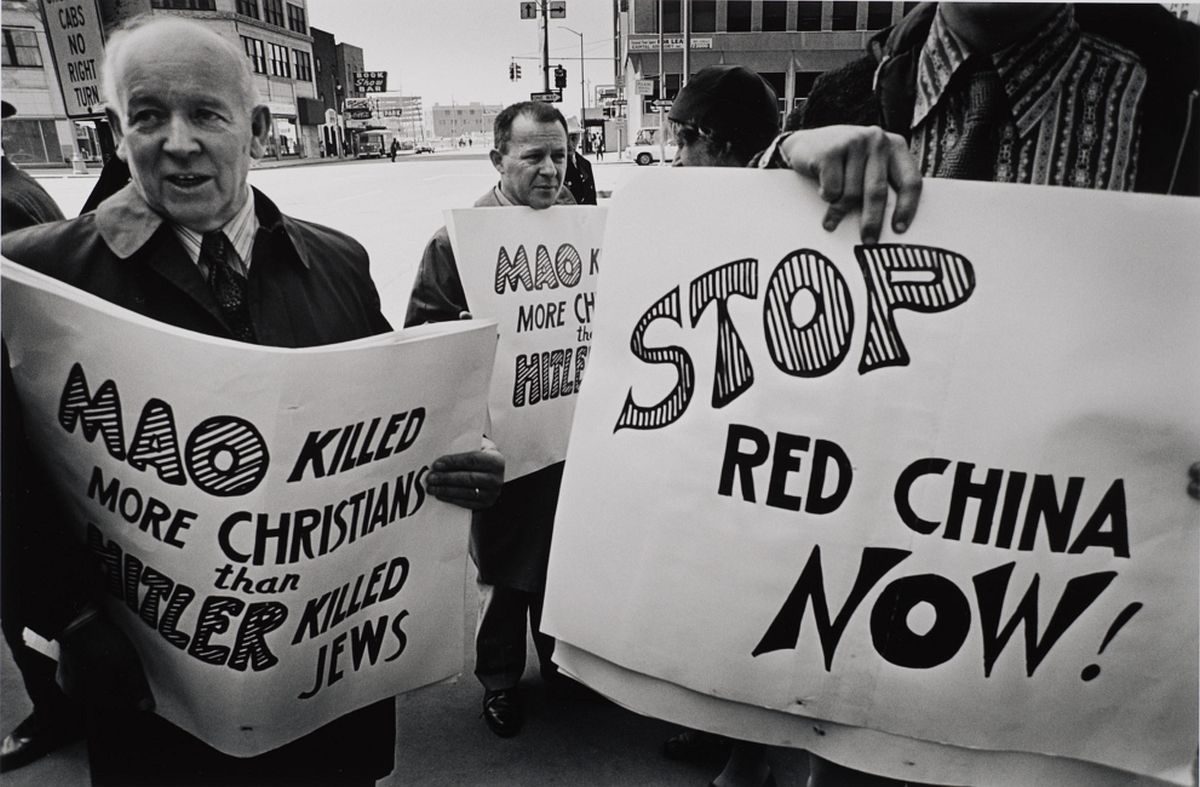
{"points": [[512, 72], [560, 76], [518, 70]]}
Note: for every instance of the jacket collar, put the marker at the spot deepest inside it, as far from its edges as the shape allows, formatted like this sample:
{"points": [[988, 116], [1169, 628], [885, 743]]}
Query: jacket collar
{"points": [[126, 223]]}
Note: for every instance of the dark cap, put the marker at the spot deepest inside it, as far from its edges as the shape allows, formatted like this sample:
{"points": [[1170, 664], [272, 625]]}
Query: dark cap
{"points": [[9, 110], [733, 102]]}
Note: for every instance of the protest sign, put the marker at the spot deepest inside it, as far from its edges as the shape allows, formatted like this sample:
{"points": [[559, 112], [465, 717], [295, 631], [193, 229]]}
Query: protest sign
{"points": [[261, 512], [943, 473], [534, 272]]}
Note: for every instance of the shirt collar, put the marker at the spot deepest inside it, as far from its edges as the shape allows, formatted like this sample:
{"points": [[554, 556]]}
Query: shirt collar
{"points": [[239, 230], [500, 196], [126, 223], [1031, 70]]}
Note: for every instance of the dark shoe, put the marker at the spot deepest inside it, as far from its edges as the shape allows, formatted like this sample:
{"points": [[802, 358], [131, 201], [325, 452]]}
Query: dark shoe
{"points": [[502, 712], [37, 736], [697, 746]]}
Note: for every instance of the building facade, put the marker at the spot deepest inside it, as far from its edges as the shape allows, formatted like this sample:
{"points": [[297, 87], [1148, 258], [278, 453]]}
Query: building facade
{"points": [[790, 43], [464, 120], [40, 134]]}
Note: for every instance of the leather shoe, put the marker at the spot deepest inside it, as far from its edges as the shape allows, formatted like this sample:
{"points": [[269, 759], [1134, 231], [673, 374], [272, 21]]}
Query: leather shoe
{"points": [[37, 736], [502, 711]]}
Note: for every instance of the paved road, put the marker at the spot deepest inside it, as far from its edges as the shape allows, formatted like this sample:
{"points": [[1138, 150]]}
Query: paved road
{"points": [[393, 209]]}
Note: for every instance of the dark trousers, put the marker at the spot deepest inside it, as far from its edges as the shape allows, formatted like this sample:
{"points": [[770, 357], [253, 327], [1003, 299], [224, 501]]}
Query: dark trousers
{"points": [[500, 636]]}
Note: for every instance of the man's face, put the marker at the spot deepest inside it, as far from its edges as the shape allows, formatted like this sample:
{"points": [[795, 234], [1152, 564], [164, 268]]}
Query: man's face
{"points": [[696, 149], [186, 130], [534, 165]]}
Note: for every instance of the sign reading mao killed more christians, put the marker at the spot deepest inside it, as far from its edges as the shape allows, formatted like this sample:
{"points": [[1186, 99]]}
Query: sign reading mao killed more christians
{"points": [[535, 273], [946, 473], [260, 513]]}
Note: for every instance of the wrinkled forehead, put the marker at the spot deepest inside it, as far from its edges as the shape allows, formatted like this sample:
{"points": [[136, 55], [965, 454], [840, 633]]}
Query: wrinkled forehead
{"points": [[528, 133], [172, 66]]}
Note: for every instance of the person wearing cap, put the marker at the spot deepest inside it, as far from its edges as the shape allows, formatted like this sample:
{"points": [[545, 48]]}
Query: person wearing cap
{"points": [[55, 719], [579, 180]]}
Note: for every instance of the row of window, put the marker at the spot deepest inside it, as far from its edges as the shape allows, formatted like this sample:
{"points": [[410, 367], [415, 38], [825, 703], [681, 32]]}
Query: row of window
{"points": [[272, 13], [21, 48], [274, 59], [774, 16]]}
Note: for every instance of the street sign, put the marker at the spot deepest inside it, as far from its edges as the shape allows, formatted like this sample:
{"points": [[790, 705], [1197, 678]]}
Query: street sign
{"points": [[617, 102], [664, 103], [370, 81], [550, 96], [645, 87], [529, 10], [392, 113], [358, 114], [558, 9], [77, 43]]}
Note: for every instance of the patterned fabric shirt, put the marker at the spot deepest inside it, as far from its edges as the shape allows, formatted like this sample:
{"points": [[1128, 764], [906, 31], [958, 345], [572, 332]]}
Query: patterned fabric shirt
{"points": [[1074, 101], [240, 231]]}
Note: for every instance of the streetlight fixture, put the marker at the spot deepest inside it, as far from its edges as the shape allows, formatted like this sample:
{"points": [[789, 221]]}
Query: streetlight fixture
{"points": [[582, 89]]}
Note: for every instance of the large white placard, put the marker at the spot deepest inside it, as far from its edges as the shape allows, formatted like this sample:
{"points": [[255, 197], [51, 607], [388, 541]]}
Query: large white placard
{"points": [[261, 512], [935, 488], [534, 272]]}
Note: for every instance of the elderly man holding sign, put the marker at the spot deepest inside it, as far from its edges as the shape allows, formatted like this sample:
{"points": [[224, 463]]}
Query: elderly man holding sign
{"points": [[190, 244]]}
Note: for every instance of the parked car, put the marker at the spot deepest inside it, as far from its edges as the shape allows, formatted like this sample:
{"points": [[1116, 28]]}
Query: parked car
{"points": [[423, 147], [644, 149]]}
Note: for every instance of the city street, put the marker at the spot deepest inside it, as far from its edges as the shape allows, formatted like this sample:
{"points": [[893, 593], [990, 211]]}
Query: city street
{"points": [[441, 739]]}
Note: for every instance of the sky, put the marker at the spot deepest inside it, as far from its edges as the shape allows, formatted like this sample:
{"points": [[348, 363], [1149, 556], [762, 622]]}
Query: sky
{"points": [[458, 51]]}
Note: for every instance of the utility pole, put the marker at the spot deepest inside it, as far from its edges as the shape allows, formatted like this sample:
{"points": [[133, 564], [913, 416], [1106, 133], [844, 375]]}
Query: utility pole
{"points": [[544, 7], [686, 10], [582, 89], [662, 89]]}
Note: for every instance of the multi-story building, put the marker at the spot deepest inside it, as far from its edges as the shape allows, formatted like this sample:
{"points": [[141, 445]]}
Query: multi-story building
{"points": [[40, 133], [789, 43], [464, 120], [401, 114]]}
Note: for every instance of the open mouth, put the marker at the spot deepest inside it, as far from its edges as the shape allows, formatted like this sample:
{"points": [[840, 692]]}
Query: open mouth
{"points": [[187, 180]]}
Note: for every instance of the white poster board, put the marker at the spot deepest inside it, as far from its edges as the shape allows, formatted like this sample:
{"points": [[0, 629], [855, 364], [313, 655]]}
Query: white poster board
{"points": [[847, 483], [266, 506], [534, 272]]}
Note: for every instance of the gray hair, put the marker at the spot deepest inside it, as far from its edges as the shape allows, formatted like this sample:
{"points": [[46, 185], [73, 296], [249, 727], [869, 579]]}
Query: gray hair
{"points": [[118, 42]]}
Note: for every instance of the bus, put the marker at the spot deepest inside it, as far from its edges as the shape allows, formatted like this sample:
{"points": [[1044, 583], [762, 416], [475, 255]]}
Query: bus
{"points": [[375, 144]]}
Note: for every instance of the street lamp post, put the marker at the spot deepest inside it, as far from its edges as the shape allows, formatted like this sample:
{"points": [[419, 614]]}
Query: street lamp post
{"points": [[582, 89]]}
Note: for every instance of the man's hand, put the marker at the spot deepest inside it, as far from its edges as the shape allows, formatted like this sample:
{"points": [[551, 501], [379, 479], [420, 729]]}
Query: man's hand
{"points": [[471, 480], [99, 665], [853, 166]]}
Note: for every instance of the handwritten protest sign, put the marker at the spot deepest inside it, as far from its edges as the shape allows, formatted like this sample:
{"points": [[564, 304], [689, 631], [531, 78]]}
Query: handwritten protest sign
{"points": [[261, 512], [534, 272], [943, 473]]}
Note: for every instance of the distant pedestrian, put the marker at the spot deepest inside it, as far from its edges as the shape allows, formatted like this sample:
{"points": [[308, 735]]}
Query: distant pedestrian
{"points": [[395, 149]]}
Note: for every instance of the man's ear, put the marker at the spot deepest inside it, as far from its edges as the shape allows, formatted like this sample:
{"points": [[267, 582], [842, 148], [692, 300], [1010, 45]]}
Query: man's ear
{"points": [[260, 127], [497, 160], [114, 123]]}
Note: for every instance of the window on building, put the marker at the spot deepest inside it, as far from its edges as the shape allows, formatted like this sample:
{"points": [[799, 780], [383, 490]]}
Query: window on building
{"points": [[808, 15], [737, 19], [273, 12], [804, 82], [777, 80], [845, 15], [30, 141], [704, 16], [185, 5], [248, 8], [672, 19], [296, 20], [21, 48], [303, 63], [278, 56], [879, 15], [674, 83], [774, 17], [254, 51]]}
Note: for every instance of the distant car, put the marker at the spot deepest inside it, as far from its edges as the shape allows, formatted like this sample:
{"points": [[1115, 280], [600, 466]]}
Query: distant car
{"points": [[645, 150], [423, 147]]}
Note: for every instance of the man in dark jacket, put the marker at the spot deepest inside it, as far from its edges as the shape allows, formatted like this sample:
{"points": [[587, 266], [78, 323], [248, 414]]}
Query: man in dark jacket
{"points": [[510, 542], [579, 180], [188, 243], [1039, 82], [55, 720]]}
